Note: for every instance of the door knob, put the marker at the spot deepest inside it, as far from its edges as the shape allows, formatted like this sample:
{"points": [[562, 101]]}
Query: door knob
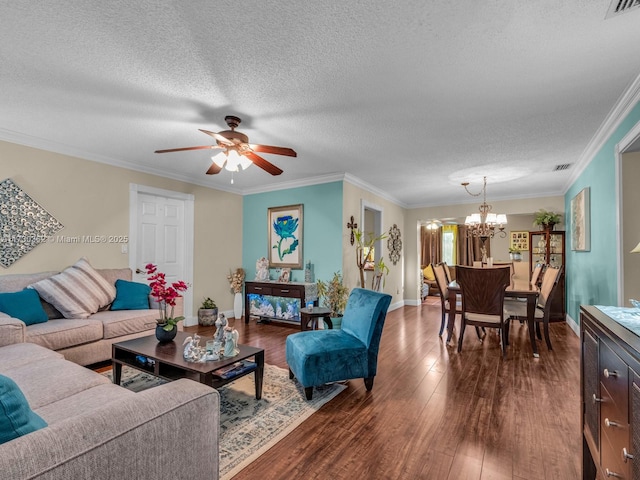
{"points": [[608, 374]]}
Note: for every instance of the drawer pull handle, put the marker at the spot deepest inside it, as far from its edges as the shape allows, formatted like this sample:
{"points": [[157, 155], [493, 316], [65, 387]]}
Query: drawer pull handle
{"points": [[257, 288], [608, 374], [596, 399], [285, 291], [609, 473], [609, 423], [626, 455]]}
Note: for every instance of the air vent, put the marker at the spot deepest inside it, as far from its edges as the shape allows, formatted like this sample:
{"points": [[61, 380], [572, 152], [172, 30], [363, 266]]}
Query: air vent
{"points": [[618, 7], [564, 166]]}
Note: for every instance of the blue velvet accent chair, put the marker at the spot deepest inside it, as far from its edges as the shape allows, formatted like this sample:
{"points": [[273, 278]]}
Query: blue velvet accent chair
{"points": [[316, 357]]}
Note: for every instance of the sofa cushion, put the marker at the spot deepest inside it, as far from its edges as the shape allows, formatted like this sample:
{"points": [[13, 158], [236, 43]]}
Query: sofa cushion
{"points": [[23, 353], [52, 380], [16, 417], [131, 296], [63, 333], [20, 281], [82, 402], [117, 323], [78, 291], [24, 305]]}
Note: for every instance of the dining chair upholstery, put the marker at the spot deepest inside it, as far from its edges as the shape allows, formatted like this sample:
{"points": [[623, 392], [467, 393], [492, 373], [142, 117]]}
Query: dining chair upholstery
{"points": [[550, 281], [483, 299], [316, 357], [535, 274], [442, 281]]}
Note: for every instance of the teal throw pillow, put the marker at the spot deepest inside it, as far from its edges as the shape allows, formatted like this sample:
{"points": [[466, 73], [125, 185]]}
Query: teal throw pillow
{"points": [[16, 416], [24, 305], [131, 296]]}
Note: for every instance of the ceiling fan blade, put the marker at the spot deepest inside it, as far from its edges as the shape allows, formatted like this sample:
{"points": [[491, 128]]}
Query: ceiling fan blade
{"points": [[203, 147], [263, 164], [218, 137], [213, 169], [275, 150]]}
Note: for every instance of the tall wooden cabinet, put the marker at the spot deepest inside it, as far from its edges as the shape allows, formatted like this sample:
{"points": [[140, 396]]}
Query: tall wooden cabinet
{"points": [[610, 392], [548, 247]]}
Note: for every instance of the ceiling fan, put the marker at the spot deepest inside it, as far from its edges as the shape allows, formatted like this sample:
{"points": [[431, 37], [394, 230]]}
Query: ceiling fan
{"points": [[237, 152]]}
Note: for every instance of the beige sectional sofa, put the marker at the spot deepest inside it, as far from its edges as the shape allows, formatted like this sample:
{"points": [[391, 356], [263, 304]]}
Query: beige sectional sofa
{"points": [[82, 340], [102, 431]]}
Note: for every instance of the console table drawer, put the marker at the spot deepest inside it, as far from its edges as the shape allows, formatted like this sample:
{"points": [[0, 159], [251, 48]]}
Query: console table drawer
{"points": [[259, 290], [288, 292], [614, 376]]}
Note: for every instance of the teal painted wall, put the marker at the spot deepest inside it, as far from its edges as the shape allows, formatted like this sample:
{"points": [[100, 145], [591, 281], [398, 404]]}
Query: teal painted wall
{"points": [[322, 228], [592, 277]]}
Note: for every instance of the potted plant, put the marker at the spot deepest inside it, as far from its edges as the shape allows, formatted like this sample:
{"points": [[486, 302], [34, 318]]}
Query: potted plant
{"points": [[167, 324], [334, 295], [208, 312], [515, 254], [546, 219]]}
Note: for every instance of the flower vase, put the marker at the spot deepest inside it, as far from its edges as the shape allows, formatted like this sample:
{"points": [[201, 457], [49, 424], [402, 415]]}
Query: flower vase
{"points": [[163, 336], [237, 305]]}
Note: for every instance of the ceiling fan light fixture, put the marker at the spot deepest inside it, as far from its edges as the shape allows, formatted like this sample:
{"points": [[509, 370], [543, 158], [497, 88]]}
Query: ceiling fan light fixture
{"points": [[245, 162], [233, 161], [219, 159]]}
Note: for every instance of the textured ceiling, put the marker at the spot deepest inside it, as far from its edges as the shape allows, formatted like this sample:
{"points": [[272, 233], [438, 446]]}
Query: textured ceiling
{"points": [[410, 97]]}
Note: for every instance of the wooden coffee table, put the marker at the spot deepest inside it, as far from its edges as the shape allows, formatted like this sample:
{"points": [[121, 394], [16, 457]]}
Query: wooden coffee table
{"points": [[165, 361]]}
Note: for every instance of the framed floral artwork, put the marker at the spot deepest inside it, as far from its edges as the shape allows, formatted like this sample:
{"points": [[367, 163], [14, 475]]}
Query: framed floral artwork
{"points": [[285, 236]]}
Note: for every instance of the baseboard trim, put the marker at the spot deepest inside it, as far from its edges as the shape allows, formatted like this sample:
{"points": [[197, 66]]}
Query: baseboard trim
{"points": [[573, 325]]}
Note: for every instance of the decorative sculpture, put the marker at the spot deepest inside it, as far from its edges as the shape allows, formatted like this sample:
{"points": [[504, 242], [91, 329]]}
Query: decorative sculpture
{"points": [[262, 270], [221, 323], [193, 352], [231, 342]]}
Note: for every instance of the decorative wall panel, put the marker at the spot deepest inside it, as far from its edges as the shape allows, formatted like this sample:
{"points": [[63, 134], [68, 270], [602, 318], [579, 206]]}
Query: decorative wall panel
{"points": [[24, 224]]}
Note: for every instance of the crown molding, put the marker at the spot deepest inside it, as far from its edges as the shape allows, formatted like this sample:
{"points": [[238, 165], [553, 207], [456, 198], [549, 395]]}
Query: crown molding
{"points": [[627, 101], [305, 182], [64, 149], [353, 180]]}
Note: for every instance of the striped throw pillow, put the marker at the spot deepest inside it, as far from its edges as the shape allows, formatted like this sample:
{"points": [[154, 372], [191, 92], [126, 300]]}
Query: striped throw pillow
{"points": [[78, 291]]}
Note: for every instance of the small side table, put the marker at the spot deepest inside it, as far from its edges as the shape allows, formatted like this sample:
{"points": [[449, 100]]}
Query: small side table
{"points": [[312, 316]]}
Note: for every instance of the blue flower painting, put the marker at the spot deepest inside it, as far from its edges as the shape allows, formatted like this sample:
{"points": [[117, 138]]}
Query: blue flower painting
{"points": [[285, 242]]}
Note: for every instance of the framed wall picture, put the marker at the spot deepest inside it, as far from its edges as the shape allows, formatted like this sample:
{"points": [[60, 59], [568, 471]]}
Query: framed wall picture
{"points": [[285, 236], [580, 221], [519, 240]]}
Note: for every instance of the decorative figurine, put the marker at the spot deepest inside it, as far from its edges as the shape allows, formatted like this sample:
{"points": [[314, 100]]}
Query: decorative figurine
{"points": [[230, 342], [262, 270], [221, 322], [193, 352]]}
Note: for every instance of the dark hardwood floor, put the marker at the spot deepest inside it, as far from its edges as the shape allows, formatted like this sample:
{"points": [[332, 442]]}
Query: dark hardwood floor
{"points": [[434, 413]]}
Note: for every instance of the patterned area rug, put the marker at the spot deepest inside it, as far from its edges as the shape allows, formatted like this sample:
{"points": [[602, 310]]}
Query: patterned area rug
{"points": [[249, 427]]}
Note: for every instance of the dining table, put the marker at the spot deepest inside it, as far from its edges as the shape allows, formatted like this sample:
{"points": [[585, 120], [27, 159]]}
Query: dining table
{"points": [[517, 289]]}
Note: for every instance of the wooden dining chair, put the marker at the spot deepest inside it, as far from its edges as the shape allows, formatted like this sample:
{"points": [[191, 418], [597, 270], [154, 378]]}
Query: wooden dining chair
{"points": [[483, 300], [442, 282], [516, 310]]}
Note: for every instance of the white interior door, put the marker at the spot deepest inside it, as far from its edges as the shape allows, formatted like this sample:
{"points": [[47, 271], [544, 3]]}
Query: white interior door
{"points": [[162, 234]]}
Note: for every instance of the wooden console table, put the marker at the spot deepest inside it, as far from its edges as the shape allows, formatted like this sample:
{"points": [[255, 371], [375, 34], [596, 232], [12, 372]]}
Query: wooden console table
{"points": [[301, 291], [610, 392]]}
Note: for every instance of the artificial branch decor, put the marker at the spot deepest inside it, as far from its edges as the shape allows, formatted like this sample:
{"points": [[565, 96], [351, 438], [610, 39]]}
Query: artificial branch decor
{"points": [[364, 250]]}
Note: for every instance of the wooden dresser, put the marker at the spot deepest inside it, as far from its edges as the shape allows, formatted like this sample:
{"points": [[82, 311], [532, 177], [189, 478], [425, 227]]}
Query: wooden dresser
{"points": [[610, 392]]}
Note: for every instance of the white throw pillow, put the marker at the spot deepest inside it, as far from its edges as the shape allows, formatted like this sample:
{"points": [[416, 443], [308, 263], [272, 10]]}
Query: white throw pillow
{"points": [[78, 291]]}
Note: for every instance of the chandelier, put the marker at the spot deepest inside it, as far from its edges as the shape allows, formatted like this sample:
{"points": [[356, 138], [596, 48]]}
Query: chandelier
{"points": [[484, 224]]}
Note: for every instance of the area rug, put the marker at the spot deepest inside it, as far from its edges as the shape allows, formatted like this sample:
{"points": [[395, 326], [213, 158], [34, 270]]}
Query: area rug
{"points": [[249, 427]]}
